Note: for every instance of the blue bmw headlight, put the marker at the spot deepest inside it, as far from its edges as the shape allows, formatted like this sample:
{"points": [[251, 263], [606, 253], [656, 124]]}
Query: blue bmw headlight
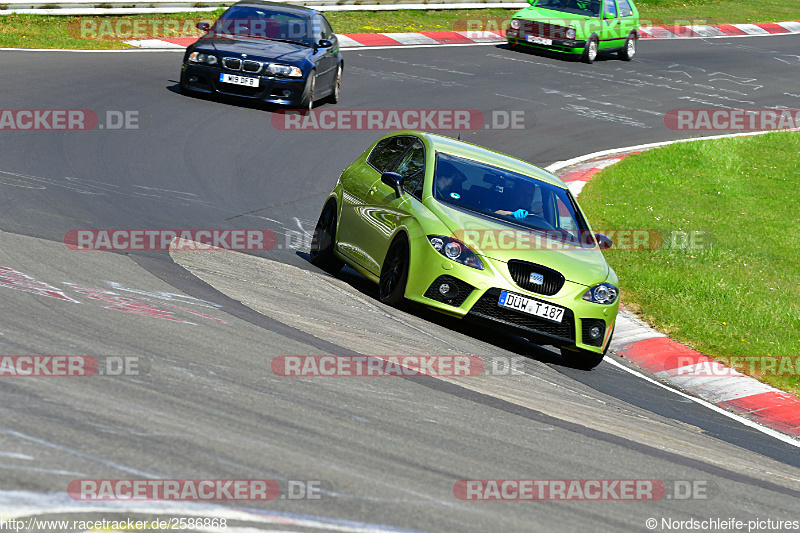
{"points": [[274, 69], [455, 250], [200, 57], [603, 293]]}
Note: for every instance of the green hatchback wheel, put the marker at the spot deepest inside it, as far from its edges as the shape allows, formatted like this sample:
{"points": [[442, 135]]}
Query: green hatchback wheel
{"points": [[627, 53], [590, 51], [394, 273], [322, 242]]}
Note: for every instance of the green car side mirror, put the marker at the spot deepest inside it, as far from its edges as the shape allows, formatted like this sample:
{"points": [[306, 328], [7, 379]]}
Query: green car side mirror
{"points": [[393, 180], [610, 16], [603, 241]]}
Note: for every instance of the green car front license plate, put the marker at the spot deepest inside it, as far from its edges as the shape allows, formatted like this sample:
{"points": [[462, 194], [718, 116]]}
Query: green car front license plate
{"points": [[539, 40], [531, 306]]}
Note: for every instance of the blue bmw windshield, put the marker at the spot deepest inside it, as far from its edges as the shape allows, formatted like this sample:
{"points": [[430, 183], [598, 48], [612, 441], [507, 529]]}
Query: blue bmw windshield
{"points": [[243, 21], [507, 196], [590, 8]]}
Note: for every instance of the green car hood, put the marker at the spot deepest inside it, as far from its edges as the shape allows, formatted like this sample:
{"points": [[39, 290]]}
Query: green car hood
{"points": [[586, 266], [548, 15]]}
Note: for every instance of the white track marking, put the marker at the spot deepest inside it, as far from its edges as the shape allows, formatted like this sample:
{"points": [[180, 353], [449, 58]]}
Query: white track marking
{"points": [[749, 423]]}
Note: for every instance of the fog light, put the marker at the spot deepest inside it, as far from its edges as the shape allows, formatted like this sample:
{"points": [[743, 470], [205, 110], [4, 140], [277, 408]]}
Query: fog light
{"points": [[192, 79], [287, 94], [448, 291], [594, 333]]}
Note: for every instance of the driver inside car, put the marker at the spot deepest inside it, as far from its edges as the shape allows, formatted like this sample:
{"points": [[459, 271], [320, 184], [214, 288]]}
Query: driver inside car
{"points": [[523, 199], [449, 180]]}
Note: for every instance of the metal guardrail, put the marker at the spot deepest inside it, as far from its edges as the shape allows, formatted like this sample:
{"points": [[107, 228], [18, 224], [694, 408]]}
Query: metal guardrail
{"points": [[119, 7]]}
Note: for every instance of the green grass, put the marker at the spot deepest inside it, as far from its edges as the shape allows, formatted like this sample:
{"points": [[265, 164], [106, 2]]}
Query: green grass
{"points": [[741, 297], [47, 31], [41, 31]]}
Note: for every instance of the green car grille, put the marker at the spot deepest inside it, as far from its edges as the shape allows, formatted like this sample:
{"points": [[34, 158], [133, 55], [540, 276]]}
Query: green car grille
{"points": [[551, 280], [543, 29], [486, 307]]}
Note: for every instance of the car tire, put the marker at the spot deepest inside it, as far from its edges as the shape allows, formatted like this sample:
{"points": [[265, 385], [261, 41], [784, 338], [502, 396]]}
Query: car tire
{"points": [[323, 241], [627, 53], [337, 86], [394, 273], [591, 49], [307, 100]]}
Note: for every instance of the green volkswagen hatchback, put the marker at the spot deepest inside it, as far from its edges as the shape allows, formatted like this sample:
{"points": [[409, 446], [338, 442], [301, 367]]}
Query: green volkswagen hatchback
{"points": [[581, 27], [475, 234]]}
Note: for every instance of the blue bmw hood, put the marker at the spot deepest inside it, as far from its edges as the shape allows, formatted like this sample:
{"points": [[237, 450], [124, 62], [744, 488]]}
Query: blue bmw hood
{"points": [[255, 48]]}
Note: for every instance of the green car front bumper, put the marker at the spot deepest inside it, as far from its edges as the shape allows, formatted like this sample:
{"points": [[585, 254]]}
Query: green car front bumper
{"points": [[565, 46], [477, 293]]}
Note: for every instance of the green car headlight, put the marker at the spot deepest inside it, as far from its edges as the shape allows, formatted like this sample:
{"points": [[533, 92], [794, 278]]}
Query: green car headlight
{"points": [[274, 69], [200, 57], [603, 293], [570, 33], [514, 24], [455, 250]]}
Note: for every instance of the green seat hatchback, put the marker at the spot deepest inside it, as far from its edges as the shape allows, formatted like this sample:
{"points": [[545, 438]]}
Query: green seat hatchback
{"points": [[580, 27]]}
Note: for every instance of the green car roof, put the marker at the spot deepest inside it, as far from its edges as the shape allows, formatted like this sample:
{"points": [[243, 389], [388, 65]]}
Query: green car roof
{"points": [[441, 143]]}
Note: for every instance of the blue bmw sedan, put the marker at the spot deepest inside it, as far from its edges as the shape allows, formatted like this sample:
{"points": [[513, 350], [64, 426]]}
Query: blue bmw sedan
{"points": [[270, 52]]}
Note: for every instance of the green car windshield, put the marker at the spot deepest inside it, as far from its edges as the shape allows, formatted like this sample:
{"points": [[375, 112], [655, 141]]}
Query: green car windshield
{"points": [[590, 8], [508, 197]]}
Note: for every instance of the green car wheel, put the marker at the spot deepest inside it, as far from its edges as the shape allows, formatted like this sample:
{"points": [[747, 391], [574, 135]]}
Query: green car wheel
{"points": [[590, 52], [627, 53], [322, 241], [394, 274]]}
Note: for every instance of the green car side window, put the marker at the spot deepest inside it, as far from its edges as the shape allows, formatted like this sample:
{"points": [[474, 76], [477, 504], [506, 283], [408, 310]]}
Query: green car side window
{"points": [[412, 168], [625, 9], [611, 8], [387, 151]]}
